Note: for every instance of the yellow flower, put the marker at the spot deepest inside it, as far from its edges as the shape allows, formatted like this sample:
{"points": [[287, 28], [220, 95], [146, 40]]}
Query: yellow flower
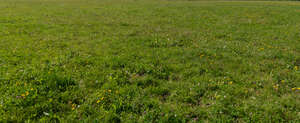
{"points": [[31, 89], [27, 93], [293, 89], [218, 96], [230, 83], [298, 88], [73, 106], [23, 95], [98, 101], [296, 68], [282, 81], [109, 91], [102, 98], [50, 100], [276, 86]]}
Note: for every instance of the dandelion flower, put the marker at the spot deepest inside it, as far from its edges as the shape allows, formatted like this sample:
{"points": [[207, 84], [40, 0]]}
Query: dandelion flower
{"points": [[73, 106], [276, 86]]}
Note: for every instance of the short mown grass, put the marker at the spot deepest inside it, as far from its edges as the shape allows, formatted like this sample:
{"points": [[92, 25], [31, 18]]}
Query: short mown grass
{"points": [[149, 61]]}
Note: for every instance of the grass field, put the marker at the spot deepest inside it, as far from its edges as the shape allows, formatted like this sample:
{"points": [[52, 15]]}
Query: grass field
{"points": [[149, 61]]}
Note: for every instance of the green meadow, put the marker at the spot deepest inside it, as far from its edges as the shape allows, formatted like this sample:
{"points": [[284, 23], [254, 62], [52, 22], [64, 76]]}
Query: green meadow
{"points": [[165, 61]]}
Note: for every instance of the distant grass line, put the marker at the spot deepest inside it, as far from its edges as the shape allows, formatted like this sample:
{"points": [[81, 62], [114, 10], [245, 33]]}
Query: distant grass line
{"points": [[233, 0]]}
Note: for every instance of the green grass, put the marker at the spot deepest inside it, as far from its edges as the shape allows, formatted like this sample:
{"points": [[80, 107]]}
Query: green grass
{"points": [[149, 61]]}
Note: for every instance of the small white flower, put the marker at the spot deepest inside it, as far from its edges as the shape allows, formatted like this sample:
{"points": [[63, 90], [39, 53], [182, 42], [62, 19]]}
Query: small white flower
{"points": [[45, 113]]}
